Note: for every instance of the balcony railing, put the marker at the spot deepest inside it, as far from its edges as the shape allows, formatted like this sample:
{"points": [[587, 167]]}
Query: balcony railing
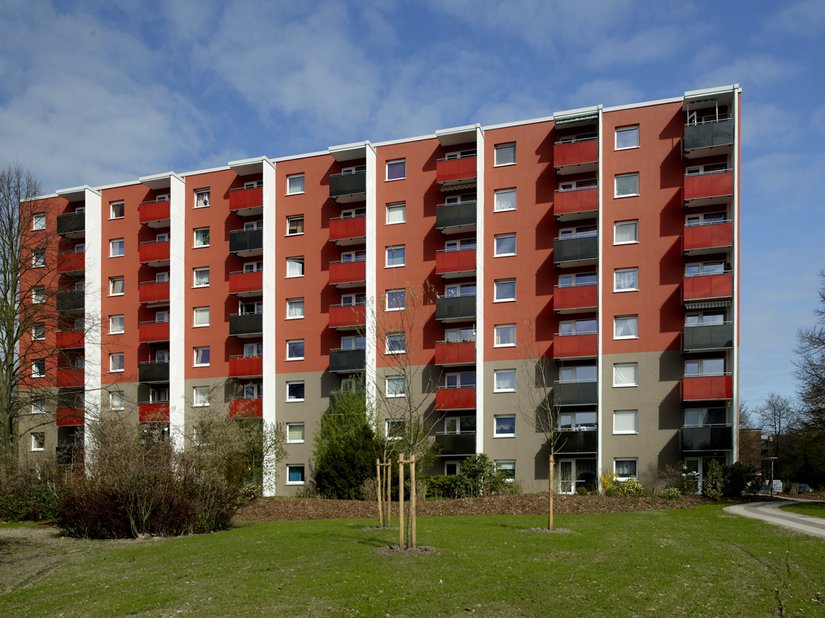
{"points": [[570, 299], [71, 262], [243, 201], [455, 308], [460, 263], [246, 366], [347, 274], [246, 408], [575, 346], [71, 224], [707, 388], [246, 283], [154, 214], [70, 300], [69, 417], [154, 252], [575, 251], [153, 291], [450, 172], [246, 242], [246, 324], [706, 287], [153, 331], [67, 339], [577, 441], [702, 139], [347, 230], [456, 444], [577, 393], [708, 438], [455, 353], [157, 412], [151, 371], [69, 377], [347, 360], [708, 188], [344, 188], [345, 317], [576, 203], [463, 398], [710, 337], [576, 156], [455, 218], [705, 238]]}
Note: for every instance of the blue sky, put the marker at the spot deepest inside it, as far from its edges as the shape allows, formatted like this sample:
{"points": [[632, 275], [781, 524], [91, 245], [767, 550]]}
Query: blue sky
{"points": [[96, 93]]}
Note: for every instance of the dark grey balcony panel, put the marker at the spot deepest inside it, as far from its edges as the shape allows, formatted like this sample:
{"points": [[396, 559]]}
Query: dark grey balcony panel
{"points": [[575, 249], [712, 337], [577, 393], [709, 135], [153, 372], [246, 324], [347, 361], [452, 444], [455, 308], [577, 442], [71, 223], [719, 438], [347, 185], [452, 215], [246, 240], [70, 300]]}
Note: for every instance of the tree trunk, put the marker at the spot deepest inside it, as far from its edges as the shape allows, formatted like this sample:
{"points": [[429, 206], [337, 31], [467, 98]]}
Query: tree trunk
{"points": [[551, 476]]}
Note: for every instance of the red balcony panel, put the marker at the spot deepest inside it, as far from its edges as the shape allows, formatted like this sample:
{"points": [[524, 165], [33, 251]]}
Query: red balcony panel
{"points": [[579, 297], [69, 417], [463, 261], [239, 199], [153, 291], [246, 366], [71, 262], [576, 153], [153, 412], [571, 202], [455, 170], [153, 211], [343, 316], [575, 346], [344, 228], [347, 272], [153, 331], [697, 237], [154, 251], [455, 398], [70, 377], [69, 339], [455, 353], [703, 388], [708, 286], [246, 408], [703, 186], [241, 283]]}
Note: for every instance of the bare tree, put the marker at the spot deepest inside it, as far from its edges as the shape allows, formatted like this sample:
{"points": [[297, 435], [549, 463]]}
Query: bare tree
{"points": [[811, 366], [778, 416]]}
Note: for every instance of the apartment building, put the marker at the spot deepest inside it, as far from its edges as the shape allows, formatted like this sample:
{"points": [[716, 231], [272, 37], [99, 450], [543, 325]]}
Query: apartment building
{"points": [[599, 245]]}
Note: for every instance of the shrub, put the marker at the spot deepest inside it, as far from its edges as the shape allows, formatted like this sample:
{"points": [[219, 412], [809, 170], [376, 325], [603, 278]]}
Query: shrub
{"points": [[483, 478], [679, 478], [581, 491], [737, 478], [714, 481], [26, 494], [670, 493], [612, 486]]}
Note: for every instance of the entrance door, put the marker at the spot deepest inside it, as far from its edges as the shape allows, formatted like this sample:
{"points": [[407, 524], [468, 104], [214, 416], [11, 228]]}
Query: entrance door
{"points": [[567, 476]]}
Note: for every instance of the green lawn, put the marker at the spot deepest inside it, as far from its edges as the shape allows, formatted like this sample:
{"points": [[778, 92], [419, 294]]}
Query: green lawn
{"points": [[816, 509], [697, 562]]}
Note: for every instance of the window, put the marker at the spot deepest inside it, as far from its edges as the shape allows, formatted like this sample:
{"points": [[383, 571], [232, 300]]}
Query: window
{"points": [[705, 367], [117, 210], [295, 266], [699, 269], [39, 221], [396, 300], [38, 331], [626, 280], [504, 200], [295, 225], [161, 317], [162, 277], [295, 349], [625, 422], [116, 247], [253, 267], [397, 170], [577, 185], [624, 374], [117, 401], [505, 244], [578, 421], [708, 218], [507, 467], [705, 417], [295, 433], [504, 381], [504, 426], [626, 327], [396, 213], [395, 386], [353, 342], [504, 290], [251, 226], [295, 184], [505, 154], [294, 308], [295, 474], [626, 185], [627, 137], [359, 255], [460, 334], [200, 396], [505, 335], [625, 468], [460, 379], [201, 277], [38, 441], [625, 232], [459, 289], [396, 256], [706, 318], [202, 198], [578, 327], [39, 368], [116, 362], [253, 349], [396, 343], [462, 244], [200, 317], [352, 300], [394, 429], [38, 258], [295, 392], [253, 391], [201, 357], [253, 184], [38, 295], [38, 406], [202, 237]]}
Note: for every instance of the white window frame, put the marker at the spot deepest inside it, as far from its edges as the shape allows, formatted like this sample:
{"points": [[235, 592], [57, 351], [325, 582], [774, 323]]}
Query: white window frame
{"points": [[294, 219], [117, 400], [619, 414], [38, 331], [39, 368], [625, 478], [39, 258], [289, 467], [112, 322], [195, 233], [629, 222], [198, 352], [398, 336], [628, 366], [402, 248], [296, 425], [402, 291], [198, 313], [112, 362], [291, 399], [508, 466], [497, 433], [38, 221], [496, 239], [497, 205], [393, 208], [202, 198], [39, 295], [292, 180], [38, 443], [503, 372], [200, 397], [393, 434], [625, 270], [295, 341], [200, 270], [114, 245], [293, 303], [296, 259], [393, 393], [496, 284], [501, 148], [617, 195], [499, 328], [626, 129], [616, 321], [38, 406], [391, 163]]}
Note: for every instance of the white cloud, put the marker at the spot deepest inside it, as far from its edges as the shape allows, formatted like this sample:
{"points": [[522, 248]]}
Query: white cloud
{"points": [[751, 71], [768, 127], [803, 18]]}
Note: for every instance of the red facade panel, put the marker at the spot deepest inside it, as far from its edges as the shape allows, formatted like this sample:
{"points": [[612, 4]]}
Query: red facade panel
{"points": [[343, 316], [70, 378], [455, 170], [705, 388], [245, 366], [153, 291], [571, 202], [69, 339], [347, 272], [241, 283], [708, 286], [153, 413], [71, 262], [150, 212], [579, 297], [344, 228], [154, 251], [575, 346], [698, 237], [455, 352], [68, 417], [154, 331], [455, 398], [575, 153], [240, 199], [246, 408], [701, 186], [463, 261]]}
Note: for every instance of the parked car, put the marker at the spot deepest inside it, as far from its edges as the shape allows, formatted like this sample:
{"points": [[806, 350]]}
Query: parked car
{"points": [[804, 488]]}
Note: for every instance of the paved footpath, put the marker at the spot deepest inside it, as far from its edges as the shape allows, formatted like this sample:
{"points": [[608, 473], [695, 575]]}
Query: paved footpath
{"points": [[773, 514]]}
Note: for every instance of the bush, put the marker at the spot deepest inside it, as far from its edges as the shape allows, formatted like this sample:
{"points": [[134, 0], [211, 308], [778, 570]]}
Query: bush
{"points": [[679, 478], [28, 495], [478, 477], [612, 486], [714, 481], [671, 493], [737, 478]]}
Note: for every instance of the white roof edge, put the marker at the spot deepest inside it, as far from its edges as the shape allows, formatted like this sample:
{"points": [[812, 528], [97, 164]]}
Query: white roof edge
{"points": [[462, 129], [351, 146], [115, 185], [417, 138], [579, 111], [703, 92], [77, 189], [48, 196], [161, 176], [209, 170], [249, 161], [615, 108], [305, 155]]}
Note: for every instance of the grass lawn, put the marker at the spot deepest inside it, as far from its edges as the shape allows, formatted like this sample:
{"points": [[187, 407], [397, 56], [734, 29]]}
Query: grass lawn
{"points": [[695, 562], [815, 509]]}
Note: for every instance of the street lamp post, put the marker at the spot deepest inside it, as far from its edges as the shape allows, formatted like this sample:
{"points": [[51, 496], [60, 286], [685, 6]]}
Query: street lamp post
{"points": [[772, 459]]}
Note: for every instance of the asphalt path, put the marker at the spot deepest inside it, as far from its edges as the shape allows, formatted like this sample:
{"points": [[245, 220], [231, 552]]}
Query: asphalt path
{"points": [[772, 513]]}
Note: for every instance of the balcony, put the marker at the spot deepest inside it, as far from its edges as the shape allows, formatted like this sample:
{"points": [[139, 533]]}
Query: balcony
{"points": [[452, 264], [72, 263], [69, 339], [347, 361], [246, 408], [347, 317], [707, 388], [707, 338], [246, 324], [707, 287], [247, 202], [347, 274], [574, 299], [246, 283], [345, 188], [709, 438], [72, 224], [154, 214], [710, 238], [348, 230], [576, 204], [577, 442], [151, 371], [154, 253], [707, 189], [577, 251], [456, 444], [69, 417], [149, 332], [246, 366], [152, 292], [449, 353], [455, 308], [455, 218], [463, 398], [576, 157], [708, 138], [577, 393], [69, 377], [575, 346], [454, 172], [153, 412], [246, 243], [70, 300]]}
